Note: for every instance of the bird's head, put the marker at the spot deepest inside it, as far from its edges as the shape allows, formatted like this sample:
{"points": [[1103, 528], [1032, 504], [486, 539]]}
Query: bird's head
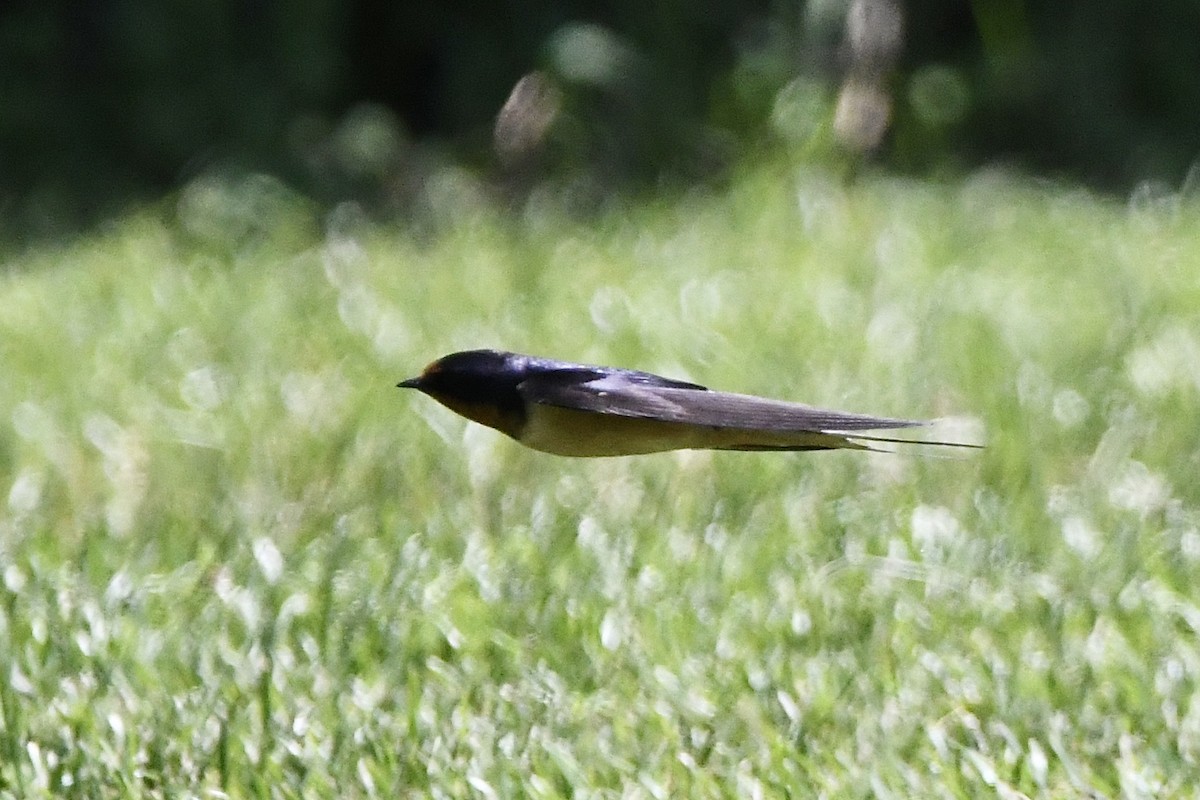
{"points": [[481, 385]]}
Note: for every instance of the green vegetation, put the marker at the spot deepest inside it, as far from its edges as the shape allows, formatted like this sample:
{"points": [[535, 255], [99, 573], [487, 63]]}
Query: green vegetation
{"points": [[236, 560]]}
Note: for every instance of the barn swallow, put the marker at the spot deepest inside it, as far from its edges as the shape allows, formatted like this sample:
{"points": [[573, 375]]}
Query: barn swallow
{"points": [[583, 410]]}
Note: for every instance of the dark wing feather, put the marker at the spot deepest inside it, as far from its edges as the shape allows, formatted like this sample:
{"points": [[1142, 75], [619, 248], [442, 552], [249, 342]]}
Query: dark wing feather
{"points": [[675, 401], [581, 375], [728, 410]]}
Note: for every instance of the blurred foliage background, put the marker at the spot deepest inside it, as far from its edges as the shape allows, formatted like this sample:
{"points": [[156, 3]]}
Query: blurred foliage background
{"points": [[235, 560], [109, 101]]}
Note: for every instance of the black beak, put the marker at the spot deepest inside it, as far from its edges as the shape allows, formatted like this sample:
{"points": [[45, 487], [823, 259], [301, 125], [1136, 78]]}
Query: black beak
{"points": [[411, 383]]}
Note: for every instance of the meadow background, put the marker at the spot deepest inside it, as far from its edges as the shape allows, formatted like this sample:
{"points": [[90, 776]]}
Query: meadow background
{"points": [[236, 561]]}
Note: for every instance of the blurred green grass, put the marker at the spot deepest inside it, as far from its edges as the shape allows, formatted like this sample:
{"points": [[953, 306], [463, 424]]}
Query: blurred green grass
{"points": [[237, 562]]}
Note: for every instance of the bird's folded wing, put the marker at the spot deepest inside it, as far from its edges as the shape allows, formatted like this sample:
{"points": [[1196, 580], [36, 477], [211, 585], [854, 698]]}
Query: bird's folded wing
{"points": [[617, 396]]}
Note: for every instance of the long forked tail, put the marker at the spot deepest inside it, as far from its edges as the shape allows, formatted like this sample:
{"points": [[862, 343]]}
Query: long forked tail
{"points": [[846, 440], [953, 432], [898, 440]]}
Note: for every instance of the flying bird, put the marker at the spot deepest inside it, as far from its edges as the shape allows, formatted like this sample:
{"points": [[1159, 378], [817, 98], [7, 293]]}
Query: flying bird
{"points": [[584, 410]]}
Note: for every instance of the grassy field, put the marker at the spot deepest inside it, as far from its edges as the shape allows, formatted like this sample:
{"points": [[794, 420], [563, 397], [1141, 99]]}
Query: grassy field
{"points": [[236, 562]]}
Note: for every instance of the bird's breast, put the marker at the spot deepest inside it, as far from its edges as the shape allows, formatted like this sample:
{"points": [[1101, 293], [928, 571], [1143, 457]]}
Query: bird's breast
{"points": [[571, 432]]}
